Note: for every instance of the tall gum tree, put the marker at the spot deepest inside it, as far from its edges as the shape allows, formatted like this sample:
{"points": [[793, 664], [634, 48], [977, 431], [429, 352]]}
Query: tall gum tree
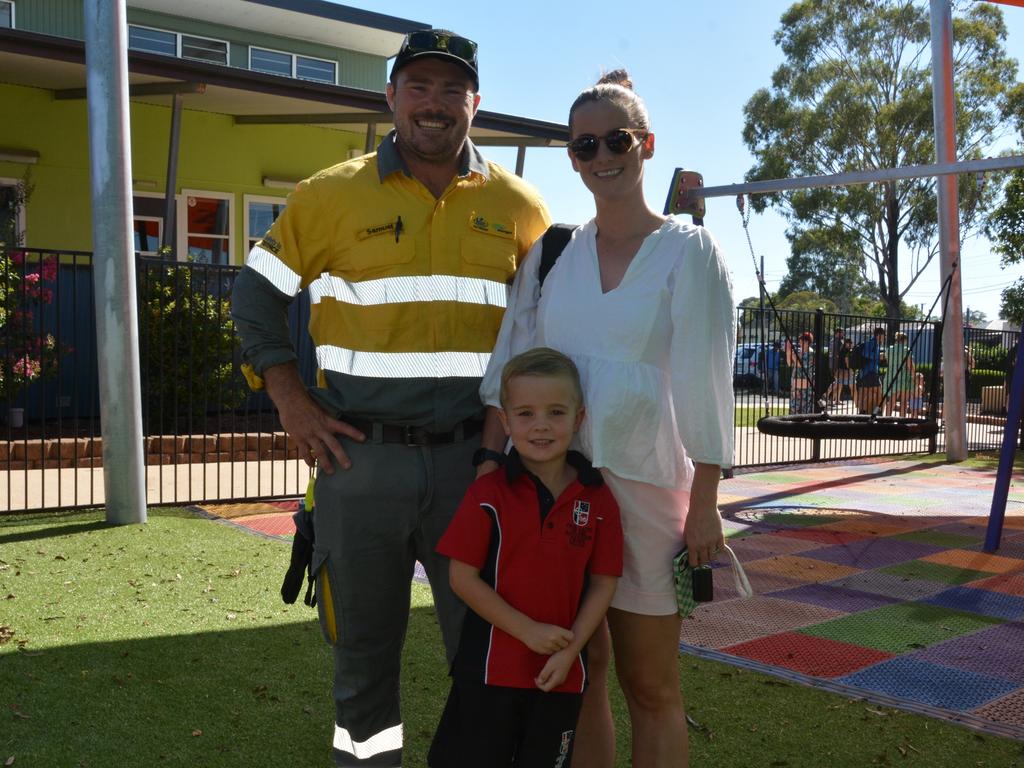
{"points": [[854, 93]]}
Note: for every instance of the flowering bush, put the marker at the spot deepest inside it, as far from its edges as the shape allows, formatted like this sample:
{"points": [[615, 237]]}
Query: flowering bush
{"points": [[26, 352]]}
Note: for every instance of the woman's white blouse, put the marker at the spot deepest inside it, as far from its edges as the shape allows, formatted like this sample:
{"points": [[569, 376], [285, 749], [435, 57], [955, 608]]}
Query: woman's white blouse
{"points": [[655, 354]]}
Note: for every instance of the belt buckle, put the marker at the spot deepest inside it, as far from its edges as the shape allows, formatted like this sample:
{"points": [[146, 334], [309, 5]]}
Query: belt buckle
{"points": [[415, 436]]}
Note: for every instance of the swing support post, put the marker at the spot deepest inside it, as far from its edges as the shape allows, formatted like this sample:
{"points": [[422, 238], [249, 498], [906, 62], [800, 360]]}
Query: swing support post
{"points": [[954, 400]]}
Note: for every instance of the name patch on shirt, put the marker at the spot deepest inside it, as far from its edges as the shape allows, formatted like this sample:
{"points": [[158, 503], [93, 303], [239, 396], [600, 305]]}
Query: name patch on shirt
{"points": [[380, 229]]}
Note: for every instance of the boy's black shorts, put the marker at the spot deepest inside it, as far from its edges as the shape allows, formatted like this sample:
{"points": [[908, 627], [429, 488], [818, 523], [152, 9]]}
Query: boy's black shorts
{"points": [[487, 725]]}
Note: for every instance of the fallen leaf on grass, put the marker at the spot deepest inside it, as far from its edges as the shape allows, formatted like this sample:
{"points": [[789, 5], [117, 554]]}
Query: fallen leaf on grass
{"points": [[878, 712], [197, 732], [9, 761], [6, 633]]}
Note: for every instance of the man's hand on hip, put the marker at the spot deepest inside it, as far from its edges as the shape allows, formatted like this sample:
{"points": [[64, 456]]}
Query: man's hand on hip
{"points": [[312, 429]]}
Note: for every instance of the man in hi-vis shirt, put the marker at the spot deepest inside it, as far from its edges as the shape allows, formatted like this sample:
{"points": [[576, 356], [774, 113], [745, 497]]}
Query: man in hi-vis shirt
{"points": [[407, 254]]}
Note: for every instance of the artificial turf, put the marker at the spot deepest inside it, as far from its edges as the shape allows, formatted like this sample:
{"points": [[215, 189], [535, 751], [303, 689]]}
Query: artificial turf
{"points": [[167, 644]]}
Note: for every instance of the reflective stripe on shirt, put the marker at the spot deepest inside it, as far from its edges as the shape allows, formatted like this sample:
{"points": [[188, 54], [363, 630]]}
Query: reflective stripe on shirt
{"points": [[397, 290], [280, 275], [402, 365]]}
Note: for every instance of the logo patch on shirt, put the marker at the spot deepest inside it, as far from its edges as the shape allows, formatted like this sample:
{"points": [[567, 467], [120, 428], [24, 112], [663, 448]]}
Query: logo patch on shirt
{"points": [[481, 224], [270, 244], [581, 512]]}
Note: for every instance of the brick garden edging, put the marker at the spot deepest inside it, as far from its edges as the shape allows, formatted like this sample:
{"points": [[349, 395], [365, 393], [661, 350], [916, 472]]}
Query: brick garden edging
{"points": [[87, 452]]}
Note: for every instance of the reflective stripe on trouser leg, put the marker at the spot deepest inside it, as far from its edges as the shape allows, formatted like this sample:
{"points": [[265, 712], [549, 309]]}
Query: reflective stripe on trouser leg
{"points": [[365, 519]]}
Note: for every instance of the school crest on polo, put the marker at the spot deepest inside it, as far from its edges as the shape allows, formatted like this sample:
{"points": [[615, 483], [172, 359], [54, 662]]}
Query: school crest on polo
{"points": [[581, 512]]}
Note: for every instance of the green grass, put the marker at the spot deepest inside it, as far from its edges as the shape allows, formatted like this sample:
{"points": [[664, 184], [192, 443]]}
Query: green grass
{"points": [[167, 645]]}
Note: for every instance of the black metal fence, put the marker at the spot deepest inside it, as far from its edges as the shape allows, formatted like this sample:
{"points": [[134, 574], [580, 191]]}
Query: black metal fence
{"points": [[764, 374], [208, 439]]}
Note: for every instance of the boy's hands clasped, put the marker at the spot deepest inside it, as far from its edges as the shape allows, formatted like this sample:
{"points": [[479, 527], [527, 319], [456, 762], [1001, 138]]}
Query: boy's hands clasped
{"points": [[546, 638]]}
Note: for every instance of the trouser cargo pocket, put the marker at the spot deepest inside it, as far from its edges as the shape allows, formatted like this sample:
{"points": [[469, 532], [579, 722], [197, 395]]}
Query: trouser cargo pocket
{"points": [[327, 603]]}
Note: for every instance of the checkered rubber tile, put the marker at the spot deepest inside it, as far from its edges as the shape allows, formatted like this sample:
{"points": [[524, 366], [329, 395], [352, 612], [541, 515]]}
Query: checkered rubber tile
{"points": [[931, 684]]}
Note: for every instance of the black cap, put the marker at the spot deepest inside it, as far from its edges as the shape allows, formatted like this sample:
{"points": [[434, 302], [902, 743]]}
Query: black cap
{"points": [[440, 44]]}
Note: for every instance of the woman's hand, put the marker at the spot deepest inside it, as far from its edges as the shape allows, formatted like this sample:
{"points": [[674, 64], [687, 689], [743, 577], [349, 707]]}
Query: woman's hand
{"points": [[702, 531]]}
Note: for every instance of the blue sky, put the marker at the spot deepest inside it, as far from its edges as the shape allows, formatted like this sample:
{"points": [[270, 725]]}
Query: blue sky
{"points": [[695, 64]]}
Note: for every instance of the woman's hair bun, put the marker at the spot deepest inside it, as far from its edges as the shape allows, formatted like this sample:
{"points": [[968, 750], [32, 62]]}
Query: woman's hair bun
{"points": [[616, 77]]}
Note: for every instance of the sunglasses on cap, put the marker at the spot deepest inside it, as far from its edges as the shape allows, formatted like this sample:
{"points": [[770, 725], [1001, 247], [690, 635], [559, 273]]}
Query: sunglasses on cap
{"points": [[619, 142], [428, 41]]}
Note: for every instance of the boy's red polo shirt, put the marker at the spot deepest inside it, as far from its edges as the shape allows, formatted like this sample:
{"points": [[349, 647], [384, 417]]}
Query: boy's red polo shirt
{"points": [[537, 562]]}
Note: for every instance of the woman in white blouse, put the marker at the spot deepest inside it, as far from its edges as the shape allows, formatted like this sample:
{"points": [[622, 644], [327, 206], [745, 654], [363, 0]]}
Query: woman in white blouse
{"points": [[643, 304]]}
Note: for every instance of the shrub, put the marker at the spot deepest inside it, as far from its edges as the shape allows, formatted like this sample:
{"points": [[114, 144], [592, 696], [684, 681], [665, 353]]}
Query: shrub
{"points": [[188, 344]]}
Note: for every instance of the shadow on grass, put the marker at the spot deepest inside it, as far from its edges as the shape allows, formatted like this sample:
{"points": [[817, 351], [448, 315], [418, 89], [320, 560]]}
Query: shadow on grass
{"points": [[49, 533], [250, 697]]}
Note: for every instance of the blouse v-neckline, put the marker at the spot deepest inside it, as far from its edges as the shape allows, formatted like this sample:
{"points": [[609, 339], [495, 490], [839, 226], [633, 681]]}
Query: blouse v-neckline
{"points": [[646, 245]]}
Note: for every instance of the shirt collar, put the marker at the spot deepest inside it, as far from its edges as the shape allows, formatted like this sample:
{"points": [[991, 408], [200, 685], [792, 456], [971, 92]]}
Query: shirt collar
{"points": [[585, 472], [389, 160]]}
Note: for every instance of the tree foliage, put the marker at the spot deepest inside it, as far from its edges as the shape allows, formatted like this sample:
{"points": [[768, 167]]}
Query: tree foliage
{"points": [[855, 93], [1006, 231]]}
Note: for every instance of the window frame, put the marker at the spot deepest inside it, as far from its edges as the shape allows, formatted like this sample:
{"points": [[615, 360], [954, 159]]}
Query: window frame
{"points": [[246, 200], [294, 64], [178, 39], [12, 5], [181, 222], [22, 218]]}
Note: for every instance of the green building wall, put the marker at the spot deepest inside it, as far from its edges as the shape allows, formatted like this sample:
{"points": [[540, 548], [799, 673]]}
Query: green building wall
{"points": [[63, 18], [215, 156]]}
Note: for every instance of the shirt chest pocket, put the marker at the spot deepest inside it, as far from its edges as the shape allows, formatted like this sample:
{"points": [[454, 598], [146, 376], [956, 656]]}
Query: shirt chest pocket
{"points": [[375, 252], [489, 256]]}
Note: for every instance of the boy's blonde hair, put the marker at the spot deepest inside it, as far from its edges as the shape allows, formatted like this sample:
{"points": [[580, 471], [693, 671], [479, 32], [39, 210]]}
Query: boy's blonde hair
{"points": [[541, 361]]}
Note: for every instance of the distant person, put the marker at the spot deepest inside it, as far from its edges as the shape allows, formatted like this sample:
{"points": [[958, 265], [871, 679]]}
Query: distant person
{"points": [[869, 382], [847, 374], [801, 382], [899, 377], [535, 593], [771, 358], [917, 397], [835, 349]]}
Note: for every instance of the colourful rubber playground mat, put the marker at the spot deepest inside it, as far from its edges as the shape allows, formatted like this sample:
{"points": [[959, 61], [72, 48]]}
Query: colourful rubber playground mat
{"points": [[870, 581]]}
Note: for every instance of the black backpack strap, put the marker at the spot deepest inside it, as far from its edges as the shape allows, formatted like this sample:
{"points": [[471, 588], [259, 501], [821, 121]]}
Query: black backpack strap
{"points": [[552, 245]]}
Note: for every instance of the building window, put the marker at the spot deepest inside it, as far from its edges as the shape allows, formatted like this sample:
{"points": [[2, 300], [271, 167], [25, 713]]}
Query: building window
{"points": [[7, 14], [316, 69], [148, 231], [204, 49], [152, 40], [260, 213], [272, 62], [205, 228], [172, 44], [9, 208], [291, 65]]}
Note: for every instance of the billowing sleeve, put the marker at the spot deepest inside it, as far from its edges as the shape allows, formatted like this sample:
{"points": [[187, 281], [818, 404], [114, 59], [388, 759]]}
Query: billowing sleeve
{"points": [[703, 346], [518, 326], [282, 263]]}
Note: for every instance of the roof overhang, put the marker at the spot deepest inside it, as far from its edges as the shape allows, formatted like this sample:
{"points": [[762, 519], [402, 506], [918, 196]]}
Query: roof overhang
{"points": [[58, 64], [314, 20]]}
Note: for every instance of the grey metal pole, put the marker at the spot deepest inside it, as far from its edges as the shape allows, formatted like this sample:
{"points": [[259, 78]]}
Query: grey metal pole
{"points": [[117, 342], [954, 412], [170, 225]]}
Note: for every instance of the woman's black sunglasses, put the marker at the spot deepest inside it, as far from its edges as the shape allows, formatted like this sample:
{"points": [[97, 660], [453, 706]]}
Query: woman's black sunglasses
{"points": [[619, 142]]}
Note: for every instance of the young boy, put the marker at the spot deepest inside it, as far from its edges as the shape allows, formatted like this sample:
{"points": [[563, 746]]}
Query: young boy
{"points": [[536, 552]]}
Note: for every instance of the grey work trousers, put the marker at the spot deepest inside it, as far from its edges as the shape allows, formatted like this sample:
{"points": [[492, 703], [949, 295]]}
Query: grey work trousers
{"points": [[372, 523]]}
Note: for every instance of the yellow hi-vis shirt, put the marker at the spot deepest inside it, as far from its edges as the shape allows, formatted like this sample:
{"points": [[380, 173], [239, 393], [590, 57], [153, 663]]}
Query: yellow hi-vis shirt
{"points": [[407, 291]]}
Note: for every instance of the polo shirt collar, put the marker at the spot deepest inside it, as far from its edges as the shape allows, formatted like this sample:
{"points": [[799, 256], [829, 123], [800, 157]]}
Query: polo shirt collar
{"points": [[585, 472], [389, 160]]}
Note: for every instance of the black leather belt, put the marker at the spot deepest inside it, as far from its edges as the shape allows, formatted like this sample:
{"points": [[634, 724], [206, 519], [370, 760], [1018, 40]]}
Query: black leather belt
{"points": [[406, 435]]}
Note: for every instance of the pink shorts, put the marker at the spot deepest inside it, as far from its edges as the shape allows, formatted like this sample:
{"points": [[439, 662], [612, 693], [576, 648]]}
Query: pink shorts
{"points": [[652, 530]]}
